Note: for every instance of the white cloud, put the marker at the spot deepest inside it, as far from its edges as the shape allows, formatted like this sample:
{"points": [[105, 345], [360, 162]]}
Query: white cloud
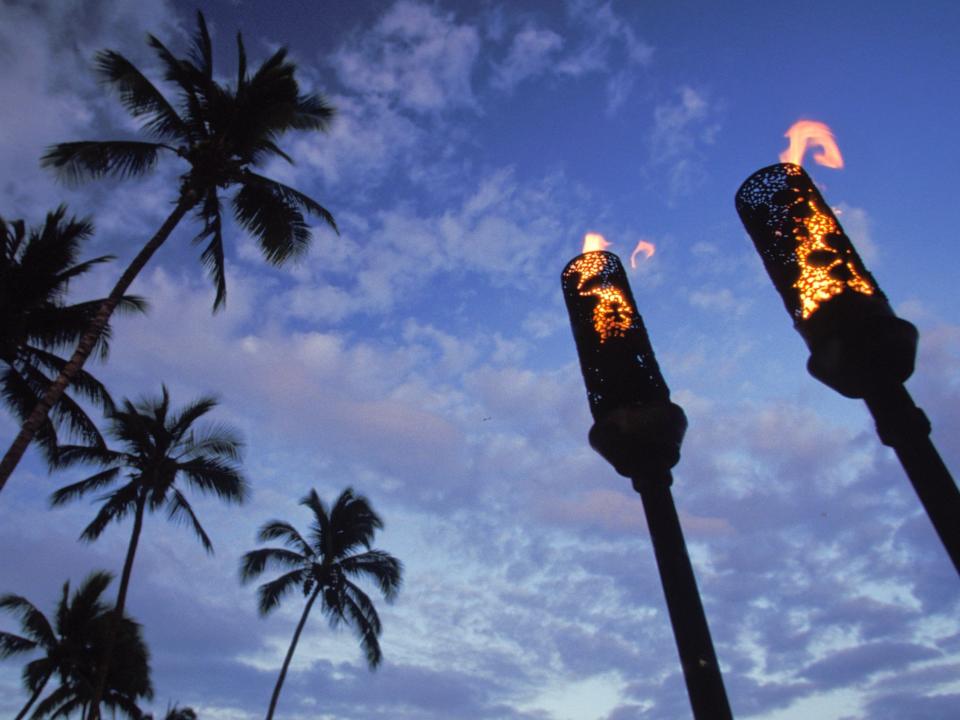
{"points": [[531, 54], [416, 56], [681, 128]]}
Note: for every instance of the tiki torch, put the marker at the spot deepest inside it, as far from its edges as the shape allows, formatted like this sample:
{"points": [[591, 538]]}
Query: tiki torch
{"points": [[858, 346], [638, 431]]}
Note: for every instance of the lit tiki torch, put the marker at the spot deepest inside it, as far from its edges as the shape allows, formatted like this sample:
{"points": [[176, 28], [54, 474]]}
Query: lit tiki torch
{"points": [[638, 430], [858, 346]]}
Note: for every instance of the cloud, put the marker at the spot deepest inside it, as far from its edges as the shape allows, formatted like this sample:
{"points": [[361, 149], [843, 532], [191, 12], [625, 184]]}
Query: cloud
{"points": [[48, 85], [612, 45], [681, 128], [416, 57], [530, 55], [595, 41]]}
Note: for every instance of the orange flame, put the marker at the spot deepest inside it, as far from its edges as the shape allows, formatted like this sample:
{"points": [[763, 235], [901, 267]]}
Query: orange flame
{"points": [[644, 246], [593, 242], [805, 133]]}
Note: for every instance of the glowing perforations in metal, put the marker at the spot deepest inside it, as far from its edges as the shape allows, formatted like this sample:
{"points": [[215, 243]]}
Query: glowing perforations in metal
{"points": [[823, 273], [803, 247], [612, 314], [616, 359]]}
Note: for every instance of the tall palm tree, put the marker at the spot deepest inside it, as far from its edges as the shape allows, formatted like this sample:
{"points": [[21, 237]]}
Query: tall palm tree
{"points": [[338, 552], [220, 131], [36, 323], [159, 448], [72, 646]]}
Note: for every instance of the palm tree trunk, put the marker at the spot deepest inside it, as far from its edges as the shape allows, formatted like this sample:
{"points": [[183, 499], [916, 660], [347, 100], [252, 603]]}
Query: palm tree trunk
{"points": [[104, 670], [289, 657], [33, 698], [89, 340]]}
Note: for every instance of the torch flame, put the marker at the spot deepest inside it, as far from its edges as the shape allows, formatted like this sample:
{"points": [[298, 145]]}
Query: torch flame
{"points": [[593, 242], [644, 246], [805, 133]]}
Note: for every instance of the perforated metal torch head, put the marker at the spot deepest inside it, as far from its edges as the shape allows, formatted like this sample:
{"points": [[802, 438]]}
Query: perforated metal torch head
{"points": [[856, 342], [637, 428]]}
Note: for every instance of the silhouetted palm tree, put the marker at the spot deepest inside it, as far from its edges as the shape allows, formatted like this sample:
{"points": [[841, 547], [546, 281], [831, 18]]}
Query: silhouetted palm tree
{"points": [[72, 647], [221, 132], [324, 567], [36, 323], [159, 448]]}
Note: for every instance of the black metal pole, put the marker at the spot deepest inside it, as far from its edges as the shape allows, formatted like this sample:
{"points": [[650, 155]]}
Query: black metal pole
{"points": [[904, 427], [701, 671]]}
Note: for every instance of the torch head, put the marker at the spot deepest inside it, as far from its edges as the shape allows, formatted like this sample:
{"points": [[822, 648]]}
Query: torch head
{"points": [[637, 429], [856, 342]]}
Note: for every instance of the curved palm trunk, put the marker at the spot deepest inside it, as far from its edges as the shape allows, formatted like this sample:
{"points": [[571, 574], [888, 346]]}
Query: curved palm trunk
{"points": [[89, 340], [104, 670], [33, 698], [289, 657]]}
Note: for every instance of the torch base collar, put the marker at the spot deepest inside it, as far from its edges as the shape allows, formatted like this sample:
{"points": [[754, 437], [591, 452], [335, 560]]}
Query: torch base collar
{"points": [[857, 346], [641, 440]]}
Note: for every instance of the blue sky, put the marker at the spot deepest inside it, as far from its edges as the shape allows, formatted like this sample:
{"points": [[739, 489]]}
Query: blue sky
{"points": [[424, 356]]}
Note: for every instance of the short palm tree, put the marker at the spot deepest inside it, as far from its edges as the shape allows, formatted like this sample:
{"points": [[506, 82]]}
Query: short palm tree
{"points": [[36, 323], [161, 451], [324, 566], [220, 131], [71, 647]]}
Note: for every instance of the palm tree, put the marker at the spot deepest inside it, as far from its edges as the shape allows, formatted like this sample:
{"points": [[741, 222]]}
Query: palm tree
{"points": [[160, 447], [324, 568], [220, 131], [72, 646], [36, 268]]}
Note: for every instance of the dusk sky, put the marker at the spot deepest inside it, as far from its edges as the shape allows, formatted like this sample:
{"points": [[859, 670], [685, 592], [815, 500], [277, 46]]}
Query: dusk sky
{"points": [[425, 359]]}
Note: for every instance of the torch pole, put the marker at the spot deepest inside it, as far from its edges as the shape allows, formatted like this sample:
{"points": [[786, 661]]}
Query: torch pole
{"points": [[904, 427], [701, 671]]}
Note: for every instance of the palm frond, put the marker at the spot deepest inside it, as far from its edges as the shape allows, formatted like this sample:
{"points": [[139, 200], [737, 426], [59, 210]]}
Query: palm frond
{"points": [[33, 622], [385, 569], [354, 523], [212, 475], [359, 609], [77, 490], [67, 414], [241, 64], [70, 455], [271, 593], [320, 532], [280, 530], [212, 255], [313, 112], [293, 197], [11, 644], [88, 159], [117, 505], [214, 439], [140, 97], [60, 702], [178, 508], [279, 227], [181, 421], [201, 51], [190, 83], [255, 562], [21, 396]]}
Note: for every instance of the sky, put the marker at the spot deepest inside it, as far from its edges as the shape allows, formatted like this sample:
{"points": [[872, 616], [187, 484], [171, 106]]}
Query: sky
{"points": [[424, 357]]}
